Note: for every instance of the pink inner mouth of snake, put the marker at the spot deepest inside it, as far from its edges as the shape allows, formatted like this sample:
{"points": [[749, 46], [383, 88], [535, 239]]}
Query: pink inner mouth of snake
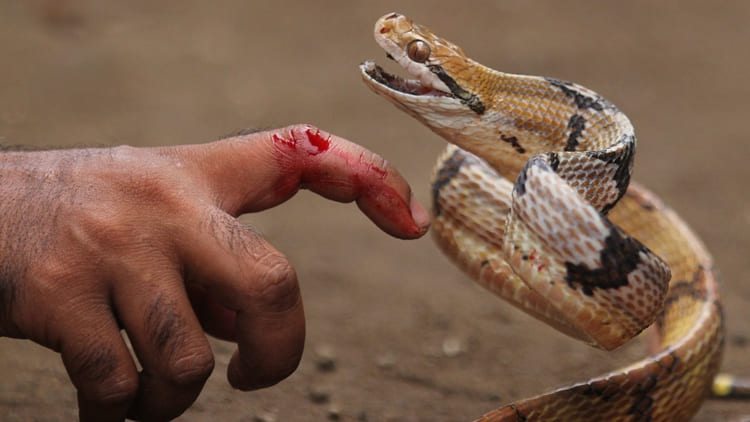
{"points": [[397, 83]]}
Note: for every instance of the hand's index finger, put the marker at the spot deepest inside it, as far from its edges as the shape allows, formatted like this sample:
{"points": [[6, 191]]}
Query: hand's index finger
{"points": [[257, 171]]}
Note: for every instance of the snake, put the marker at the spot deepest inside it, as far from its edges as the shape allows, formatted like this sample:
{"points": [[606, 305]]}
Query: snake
{"points": [[533, 199]]}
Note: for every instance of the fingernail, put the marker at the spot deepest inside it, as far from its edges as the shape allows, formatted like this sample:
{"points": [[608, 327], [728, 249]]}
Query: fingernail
{"points": [[418, 213]]}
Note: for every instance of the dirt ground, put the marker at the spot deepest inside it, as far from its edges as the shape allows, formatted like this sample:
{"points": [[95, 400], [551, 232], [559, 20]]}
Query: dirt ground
{"points": [[394, 331]]}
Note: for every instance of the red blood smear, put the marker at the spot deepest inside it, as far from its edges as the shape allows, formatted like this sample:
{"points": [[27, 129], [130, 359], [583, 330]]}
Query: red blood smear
{"points": [[318, 141], [389, 202], [365, 178]]}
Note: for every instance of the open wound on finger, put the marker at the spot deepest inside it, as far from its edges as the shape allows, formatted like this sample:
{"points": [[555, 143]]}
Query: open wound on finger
{"points": [[311, 140]]}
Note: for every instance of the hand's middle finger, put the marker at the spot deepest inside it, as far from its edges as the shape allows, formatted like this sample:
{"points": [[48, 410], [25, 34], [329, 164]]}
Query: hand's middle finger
{"points": [[240, 271], [167, 339]]}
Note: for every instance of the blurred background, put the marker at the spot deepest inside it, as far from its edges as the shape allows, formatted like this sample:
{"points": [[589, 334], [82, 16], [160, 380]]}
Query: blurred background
{"points": [[394, 331]]}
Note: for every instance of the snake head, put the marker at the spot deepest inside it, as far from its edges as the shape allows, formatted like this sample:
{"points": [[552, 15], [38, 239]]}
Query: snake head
{"points": [[437, 88]]}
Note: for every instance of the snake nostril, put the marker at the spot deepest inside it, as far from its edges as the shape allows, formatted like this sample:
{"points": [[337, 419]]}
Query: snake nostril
{"points": [[384, 30], [392, 16]]}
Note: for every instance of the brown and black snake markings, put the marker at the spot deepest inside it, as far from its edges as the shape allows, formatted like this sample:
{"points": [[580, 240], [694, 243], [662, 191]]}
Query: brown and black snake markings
{"points": [[537, 161], [576, 124], [513, 141], [620, 256], [470, 99], [446, 173], [545, 162], [623, 161], [554, 160], [643, 403], [679, 290], [582, 101]]}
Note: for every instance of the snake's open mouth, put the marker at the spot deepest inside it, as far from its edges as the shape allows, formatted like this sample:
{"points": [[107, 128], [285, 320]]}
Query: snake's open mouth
{"points": [[399, 84]]}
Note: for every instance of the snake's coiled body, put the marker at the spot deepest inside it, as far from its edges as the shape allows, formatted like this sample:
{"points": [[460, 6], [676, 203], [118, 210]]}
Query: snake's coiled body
{"points": [[534, 201]]}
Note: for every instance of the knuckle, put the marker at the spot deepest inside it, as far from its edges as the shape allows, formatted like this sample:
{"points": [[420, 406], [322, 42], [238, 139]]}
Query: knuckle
{"points": [[154, 187], [99, 373], [121, 225], [94, 226], [48, 274], [56, 283], [113, 390], [99, 224], [276, 287], [132, 178], [193, 368], [234, 236], [150, 188]]}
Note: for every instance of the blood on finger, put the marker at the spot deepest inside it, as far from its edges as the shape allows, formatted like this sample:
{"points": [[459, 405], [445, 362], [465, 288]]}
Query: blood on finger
{"points": [[317, 140], [313, 143], [315, 160]]}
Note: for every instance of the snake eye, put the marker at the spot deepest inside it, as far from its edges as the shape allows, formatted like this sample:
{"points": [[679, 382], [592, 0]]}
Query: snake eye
{"points": [[418, 50]]}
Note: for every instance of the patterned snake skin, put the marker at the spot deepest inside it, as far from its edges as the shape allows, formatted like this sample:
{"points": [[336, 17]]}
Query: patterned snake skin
{"points": [[533, 200]]}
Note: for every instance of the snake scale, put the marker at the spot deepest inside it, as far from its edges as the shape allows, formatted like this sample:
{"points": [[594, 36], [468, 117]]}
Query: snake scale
{"points": [[533, 199]]}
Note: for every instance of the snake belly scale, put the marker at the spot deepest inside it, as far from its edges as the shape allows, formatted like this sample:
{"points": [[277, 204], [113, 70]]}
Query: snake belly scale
{"points": [[533, 199]]}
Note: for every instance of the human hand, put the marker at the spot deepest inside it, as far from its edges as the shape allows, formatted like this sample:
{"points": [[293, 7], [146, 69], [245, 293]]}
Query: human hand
{"points": [[146, 240]]}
